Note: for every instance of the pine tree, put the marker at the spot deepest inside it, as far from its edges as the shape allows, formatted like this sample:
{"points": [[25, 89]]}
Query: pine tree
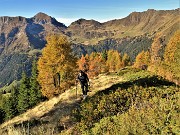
{"points": [[14, 99], [10, 104], [56, 62], [104, 55], [103, 58], [34, 93], [23, 96], [2, 114]]}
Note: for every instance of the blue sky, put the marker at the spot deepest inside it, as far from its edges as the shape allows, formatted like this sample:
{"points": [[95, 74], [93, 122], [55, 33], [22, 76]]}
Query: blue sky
{"points": [[67, 11]]}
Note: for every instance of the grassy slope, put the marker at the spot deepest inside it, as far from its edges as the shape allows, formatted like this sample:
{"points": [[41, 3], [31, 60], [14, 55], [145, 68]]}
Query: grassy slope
{"points": [[55, 113], [142, 104], [50, 117]]}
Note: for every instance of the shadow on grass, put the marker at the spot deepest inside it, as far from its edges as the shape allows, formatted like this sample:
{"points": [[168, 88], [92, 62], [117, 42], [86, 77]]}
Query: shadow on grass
{"points": [[120, 103], [153, 81]]}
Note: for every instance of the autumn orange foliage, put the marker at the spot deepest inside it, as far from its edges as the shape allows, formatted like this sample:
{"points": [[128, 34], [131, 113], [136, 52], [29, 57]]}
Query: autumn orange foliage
{"points": [[56, 62], [97, 63]]}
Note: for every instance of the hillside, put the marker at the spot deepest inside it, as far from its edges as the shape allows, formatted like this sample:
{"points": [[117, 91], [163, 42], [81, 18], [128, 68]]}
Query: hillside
{"points": [[55, 113], [112, 97], [21, 39]]}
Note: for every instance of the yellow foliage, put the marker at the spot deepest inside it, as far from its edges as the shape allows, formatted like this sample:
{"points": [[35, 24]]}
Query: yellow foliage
{"points": [[172, 48], [56, 59], [114, 60], [83, 63], [143, 58], [155, 49]]}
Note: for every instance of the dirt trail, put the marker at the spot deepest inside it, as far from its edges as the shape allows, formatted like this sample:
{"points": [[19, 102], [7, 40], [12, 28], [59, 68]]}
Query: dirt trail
{"points": [[57, 111]]}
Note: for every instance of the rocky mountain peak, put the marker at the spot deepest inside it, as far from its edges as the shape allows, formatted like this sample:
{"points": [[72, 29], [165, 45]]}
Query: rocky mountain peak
{"points": [[7, 19], [42, 18]]}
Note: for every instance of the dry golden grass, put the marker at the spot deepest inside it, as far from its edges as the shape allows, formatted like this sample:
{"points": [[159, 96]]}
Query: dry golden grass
{"points": [[57, 110]]}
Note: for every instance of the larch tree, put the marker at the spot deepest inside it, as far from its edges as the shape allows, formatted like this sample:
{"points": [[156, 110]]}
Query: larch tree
{"points": [[171, 62], [142, 59], [83, 63], [114, 60], [172, 51], [56, 66], [126, 60], [110, 61], [95, 64], [155, 49]]}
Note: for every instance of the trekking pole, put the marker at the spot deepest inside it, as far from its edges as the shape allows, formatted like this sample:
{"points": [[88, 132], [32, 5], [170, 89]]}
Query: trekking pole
{"points": [[89, 87], [76, 89]]}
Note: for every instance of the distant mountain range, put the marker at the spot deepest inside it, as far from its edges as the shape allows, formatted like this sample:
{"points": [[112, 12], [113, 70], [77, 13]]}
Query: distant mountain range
{"points": [[135, 24], [21, 38]]}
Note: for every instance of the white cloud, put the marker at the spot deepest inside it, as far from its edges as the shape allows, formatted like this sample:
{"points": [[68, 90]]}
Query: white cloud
{"points": [[67, 21]]}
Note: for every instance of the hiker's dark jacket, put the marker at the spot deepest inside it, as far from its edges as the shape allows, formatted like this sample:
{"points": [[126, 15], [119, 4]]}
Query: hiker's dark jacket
{"points": [[83, 78]]}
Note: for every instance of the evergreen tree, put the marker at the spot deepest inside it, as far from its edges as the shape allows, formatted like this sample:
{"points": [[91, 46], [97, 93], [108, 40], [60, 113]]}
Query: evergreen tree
{"points": [[104, 55], [23, 97], [14, 100], [10, 104], [8, 108], [2, 114], [34, 93], [1, 97]]}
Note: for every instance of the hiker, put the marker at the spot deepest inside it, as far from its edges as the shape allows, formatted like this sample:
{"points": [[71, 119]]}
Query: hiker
{"points": [[84, 81]]}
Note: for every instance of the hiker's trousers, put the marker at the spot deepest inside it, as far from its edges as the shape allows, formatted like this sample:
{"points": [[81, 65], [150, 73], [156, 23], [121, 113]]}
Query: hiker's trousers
{"points": [[84, 87]]}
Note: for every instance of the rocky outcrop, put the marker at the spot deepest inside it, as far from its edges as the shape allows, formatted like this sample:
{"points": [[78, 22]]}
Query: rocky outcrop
{"points": [[21, 34]]}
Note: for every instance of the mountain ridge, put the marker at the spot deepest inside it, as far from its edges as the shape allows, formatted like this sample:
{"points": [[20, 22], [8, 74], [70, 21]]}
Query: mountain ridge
{"points": [[23, 38]]}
